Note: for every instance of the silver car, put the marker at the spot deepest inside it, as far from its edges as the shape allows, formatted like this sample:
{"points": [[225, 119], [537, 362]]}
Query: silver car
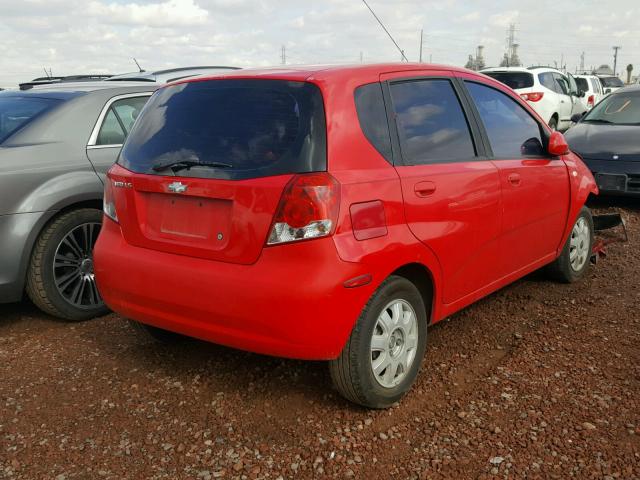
{"points": [[56, 144]]}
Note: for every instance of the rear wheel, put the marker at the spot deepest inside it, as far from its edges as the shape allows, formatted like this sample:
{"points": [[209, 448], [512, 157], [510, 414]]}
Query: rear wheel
{"points": [[573, 262], [382, 357], [60, 279]]}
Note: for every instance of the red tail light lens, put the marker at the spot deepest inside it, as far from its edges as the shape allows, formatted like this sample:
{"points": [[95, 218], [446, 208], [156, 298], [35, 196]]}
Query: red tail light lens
{"points": [[308, 209], [591, 100], [533, 96], [108, 202]]}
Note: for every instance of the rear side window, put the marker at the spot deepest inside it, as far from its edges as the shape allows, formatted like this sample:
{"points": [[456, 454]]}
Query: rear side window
{"points": [[431, 123], [514, 80], [512, 132], [373, 118], [16, 112], [248, 128], [547, 80], [119, 119]]}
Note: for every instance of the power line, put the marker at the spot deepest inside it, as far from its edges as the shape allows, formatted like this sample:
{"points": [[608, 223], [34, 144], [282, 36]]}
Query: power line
{"points": [[386, 31]]}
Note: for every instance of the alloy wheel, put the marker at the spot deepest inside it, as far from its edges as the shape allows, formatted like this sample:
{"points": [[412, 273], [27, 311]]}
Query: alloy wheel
{"points": [[73, 267]]}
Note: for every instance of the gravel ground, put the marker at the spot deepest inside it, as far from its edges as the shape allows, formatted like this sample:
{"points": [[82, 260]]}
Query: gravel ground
{"points": [[540, 380]]}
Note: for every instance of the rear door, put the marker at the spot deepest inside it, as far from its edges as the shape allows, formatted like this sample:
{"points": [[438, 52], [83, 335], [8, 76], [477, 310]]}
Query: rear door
{"points": [[113, 125], [535, 186], [451, 191], [203, 169]]}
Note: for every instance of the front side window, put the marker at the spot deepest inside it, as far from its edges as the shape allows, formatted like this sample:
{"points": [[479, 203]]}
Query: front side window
{"points": [[119, 119], [17, 112], [431, 123], [512, 132]]}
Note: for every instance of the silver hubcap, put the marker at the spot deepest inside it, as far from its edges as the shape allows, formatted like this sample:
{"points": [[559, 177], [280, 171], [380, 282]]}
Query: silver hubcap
{"points": [[394, 343], [579, 244], [73, 267]]}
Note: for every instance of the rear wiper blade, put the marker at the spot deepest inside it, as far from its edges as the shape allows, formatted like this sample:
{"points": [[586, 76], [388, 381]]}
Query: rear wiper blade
{"points": [[177, 165]]}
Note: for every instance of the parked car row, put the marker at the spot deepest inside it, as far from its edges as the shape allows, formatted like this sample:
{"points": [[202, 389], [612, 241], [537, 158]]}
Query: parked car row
{"points": [[325, 213]]}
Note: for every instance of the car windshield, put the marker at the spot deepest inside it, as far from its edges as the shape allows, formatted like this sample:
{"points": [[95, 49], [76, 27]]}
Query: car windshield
{"points": [[614, 82], [619, 109], [16, 112], [514, 80]]}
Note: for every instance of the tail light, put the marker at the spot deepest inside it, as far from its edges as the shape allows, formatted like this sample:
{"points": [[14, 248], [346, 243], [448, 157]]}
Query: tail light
{"points": [[533, 96], [591, 100], [308, 209], [108, 203]]}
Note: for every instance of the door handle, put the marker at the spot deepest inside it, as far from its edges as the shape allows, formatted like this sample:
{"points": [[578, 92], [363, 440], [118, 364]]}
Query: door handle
{"points": [[514, 179], [424, 189]]}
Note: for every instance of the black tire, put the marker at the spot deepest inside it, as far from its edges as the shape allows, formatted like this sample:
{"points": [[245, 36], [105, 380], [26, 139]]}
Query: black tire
{"points": [[553, 123], [41, 280], [562, 268], [352, 372], [157, 334]]}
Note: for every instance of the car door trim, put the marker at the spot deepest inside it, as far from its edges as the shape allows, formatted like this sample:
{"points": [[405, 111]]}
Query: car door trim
{"points": [[91, 144]]}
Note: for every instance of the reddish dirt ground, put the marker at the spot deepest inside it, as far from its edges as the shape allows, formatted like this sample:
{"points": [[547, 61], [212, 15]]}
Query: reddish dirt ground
{"points": [[540, 380]]}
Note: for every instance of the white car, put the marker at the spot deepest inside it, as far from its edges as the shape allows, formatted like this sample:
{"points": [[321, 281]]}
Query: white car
{"points": [[592, 88], [552, 94], [610, 83]]}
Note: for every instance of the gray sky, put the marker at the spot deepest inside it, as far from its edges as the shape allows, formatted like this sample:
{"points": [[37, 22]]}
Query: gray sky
{"points": [[93, 36]]}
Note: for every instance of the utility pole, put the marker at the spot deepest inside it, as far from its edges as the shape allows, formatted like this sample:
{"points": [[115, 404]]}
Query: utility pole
{"points": [[360, 56], [615, 59], [421, 32], [582, 63], [284, 55]]}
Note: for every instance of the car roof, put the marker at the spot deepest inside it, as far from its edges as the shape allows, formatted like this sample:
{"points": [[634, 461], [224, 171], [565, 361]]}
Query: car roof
{"points": [[364, 72], [170, 74], [94, 86]]}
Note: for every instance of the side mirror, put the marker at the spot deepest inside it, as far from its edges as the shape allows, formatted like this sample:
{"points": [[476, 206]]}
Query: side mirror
{"points": [[581, 93], [607, 91], [576, 117], [557, 145]]}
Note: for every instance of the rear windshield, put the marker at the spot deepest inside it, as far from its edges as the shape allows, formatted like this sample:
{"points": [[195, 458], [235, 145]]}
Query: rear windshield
{"points": [[514, 80], [246, 128], [611, 82], [582, 84], [16, 112], [619, 109]]}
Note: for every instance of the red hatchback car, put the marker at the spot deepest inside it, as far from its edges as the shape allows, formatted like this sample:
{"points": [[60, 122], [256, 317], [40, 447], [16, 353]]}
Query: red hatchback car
{"points": [[333, 213]]}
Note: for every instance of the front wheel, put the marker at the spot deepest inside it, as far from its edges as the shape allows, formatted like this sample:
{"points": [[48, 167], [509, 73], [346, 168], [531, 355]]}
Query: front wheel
{"points": [[573, 262], [382, 357]]}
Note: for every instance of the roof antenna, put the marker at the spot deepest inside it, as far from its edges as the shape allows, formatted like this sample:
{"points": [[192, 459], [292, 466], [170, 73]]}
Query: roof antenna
{"points": [[139, 67], [404, 57], [46, 73]]}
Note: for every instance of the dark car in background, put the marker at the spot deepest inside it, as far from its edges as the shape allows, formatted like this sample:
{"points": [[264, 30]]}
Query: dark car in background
{"points": [[608, 139], [56, 144]]}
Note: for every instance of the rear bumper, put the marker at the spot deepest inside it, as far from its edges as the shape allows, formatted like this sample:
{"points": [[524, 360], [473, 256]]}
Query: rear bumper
{"points": [[616, 177], [290, 303]]}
